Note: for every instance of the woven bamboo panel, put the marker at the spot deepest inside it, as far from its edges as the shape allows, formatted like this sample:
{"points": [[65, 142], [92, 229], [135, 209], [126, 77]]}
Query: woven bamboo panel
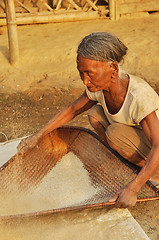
{"points": [[106, 170]]}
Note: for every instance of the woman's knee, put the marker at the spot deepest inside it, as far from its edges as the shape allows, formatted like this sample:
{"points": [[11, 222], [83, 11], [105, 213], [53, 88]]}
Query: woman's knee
{"points": [[93, 121], [115, 141], [113, 132], [96, 115], [112, 135], [126, 141], [94, 111]]}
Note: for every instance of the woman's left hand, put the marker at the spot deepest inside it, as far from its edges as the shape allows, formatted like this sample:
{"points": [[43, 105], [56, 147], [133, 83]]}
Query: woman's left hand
{"points": [[126, 197]]}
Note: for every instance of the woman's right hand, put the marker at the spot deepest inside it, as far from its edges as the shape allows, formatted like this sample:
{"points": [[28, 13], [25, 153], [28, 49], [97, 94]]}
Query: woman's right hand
{"points": [[27, 144]]}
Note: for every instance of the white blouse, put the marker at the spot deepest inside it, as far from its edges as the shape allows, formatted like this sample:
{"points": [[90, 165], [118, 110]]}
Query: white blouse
{"points": [[140, 101]]}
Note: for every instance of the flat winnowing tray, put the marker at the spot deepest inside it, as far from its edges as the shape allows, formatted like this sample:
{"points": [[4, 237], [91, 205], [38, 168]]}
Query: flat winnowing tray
{"points": [[21, 177]]}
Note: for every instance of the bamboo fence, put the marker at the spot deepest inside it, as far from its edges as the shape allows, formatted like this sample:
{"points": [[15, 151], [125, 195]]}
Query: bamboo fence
{"points": [[63, 11], [18, 12], [120, 8], [72, 12]]}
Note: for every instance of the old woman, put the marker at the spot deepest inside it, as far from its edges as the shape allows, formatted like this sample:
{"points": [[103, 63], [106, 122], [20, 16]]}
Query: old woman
{"points": [[123, 109]]}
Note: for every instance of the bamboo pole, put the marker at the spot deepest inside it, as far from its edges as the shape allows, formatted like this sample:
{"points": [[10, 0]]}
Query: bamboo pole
{"points": [[92, 5], [2, 5], [74, 5], [48, 7], [114, 9], [55, 18], [112, 13], [117, 9], [58, 4], [23, 6], [12, 32]]}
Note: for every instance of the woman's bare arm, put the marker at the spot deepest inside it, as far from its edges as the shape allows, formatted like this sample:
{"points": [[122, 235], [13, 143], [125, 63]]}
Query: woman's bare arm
{"points": [[150, 125], [80, 105], [127, 197]]}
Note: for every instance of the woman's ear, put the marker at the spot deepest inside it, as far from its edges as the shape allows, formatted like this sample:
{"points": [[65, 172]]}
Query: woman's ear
{"points": [[115, 69]]}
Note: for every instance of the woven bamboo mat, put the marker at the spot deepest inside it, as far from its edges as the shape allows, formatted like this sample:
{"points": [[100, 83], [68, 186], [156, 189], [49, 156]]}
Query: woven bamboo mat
{"points": [[106, 169]]}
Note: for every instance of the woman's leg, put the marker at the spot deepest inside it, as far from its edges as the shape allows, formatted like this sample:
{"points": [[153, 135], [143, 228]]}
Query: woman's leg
{"points": [[129, 142], [120, 137], [98, 121]]}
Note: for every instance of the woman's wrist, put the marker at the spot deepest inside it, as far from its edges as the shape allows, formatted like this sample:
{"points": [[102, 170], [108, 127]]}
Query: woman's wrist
{"points": [[38, 134], [135, 186]]}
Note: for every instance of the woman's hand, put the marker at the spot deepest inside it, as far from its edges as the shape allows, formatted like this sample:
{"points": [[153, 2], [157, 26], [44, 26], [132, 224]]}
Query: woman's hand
{"points": [[126, 197], [27, 144]]}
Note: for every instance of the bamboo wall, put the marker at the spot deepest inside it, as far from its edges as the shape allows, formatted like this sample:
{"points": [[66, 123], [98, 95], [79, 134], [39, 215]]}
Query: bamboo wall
{"points": [[43, 11], [46, 11], [120, 8], [35, 6]]}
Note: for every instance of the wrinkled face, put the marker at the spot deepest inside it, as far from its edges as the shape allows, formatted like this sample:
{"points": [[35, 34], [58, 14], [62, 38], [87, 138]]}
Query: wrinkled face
{"points": [[95, 75]]}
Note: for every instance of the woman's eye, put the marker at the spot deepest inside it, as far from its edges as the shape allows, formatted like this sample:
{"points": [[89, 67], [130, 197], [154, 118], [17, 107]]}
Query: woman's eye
{"points": [[90, 75]]}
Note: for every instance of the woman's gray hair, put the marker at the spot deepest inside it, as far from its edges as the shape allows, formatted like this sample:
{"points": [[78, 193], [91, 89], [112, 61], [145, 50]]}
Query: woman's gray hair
{"points": [[102, 46]]}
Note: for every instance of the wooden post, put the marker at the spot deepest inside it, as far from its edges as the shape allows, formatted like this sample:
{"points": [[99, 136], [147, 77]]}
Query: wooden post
{"points": [[117, 9], [114, 9], [12, 32]]}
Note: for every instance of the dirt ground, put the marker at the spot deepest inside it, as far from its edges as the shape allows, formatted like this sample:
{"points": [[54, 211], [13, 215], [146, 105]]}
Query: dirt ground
{"points": [[46, 79]]}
